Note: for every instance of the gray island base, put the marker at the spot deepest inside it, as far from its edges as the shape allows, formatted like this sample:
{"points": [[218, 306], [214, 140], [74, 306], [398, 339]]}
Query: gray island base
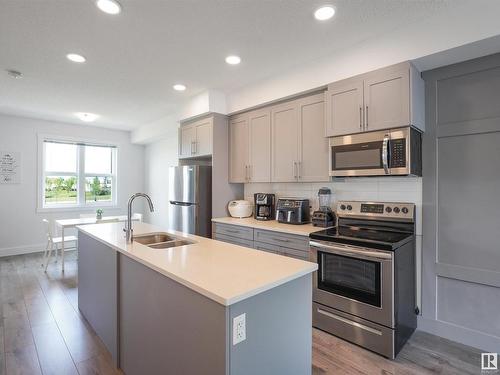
{"points": [[153, 324]]}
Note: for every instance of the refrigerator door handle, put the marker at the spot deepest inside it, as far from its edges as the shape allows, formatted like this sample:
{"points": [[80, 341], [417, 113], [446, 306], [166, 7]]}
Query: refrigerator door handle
{"points": [[181, 203]]}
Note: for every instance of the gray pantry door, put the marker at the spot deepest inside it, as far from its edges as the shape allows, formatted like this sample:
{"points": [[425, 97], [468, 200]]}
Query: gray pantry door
{"points": [[461, 202]]}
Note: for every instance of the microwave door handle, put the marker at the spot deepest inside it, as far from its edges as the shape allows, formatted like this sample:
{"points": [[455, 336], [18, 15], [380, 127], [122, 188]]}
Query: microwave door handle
{"points": [[385, 153]]}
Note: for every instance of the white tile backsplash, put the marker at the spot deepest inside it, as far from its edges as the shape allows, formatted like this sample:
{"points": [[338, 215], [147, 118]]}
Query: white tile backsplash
{"points": [[384, 189]]}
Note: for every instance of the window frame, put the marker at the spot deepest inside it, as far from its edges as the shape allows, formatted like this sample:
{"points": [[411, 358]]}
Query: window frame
{"points": [[80, 174]]}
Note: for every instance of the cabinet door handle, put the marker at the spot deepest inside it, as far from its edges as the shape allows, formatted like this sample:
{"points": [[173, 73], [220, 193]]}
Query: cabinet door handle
{"points": [[192, 149], [299, 166], [295, 169], [366, 117], [246, 173], [249, 173], [360, 117], [195, 147]]}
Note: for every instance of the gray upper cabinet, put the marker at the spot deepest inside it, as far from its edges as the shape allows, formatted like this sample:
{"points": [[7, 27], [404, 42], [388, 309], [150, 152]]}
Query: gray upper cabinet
{"points": [[313, 146], [238, 149], [285, 142], [250, 147], [259, 169], [280, 143], [187, 135], [383, 99], [344, 109], [299, 146], [195, 138], [387, 100]]}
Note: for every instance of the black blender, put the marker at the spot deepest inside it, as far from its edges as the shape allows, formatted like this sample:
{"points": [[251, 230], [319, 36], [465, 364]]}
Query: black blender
{"points": [[324, 216]]}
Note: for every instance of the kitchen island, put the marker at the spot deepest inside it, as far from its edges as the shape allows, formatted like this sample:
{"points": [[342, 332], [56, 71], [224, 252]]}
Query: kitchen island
{"points": [[172, 310]]}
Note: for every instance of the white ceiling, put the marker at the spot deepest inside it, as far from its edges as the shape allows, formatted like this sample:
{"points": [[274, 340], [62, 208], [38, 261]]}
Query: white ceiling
{"points": [[133, 59]]}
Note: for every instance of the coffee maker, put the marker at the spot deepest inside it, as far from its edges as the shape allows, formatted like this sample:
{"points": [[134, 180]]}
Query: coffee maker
{"points": [[264, 206]]}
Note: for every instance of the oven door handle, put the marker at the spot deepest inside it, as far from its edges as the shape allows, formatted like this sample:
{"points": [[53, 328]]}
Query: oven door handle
{"points": [[351, 251], [385, 153]]}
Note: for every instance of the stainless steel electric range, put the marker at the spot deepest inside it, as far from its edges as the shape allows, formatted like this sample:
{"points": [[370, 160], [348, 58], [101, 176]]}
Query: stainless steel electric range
{"points": [[364, 289]]}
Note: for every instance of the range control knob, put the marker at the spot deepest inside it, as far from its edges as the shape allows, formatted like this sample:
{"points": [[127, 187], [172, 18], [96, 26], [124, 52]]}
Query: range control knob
{"points": [[396, 210], [404, 210], [342, 206], [349, 207], [388, 210]]}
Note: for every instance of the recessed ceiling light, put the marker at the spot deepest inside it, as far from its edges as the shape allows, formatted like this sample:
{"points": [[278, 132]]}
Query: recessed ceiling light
{"points": [[179, 87], [233, 60], [14, 73], [109, 6], [87, 117], [76, 57], [324, 13]]}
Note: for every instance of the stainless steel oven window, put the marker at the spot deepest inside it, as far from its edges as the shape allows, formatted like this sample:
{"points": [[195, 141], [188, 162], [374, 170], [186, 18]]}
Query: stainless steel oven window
{"points": [[357, 279]]}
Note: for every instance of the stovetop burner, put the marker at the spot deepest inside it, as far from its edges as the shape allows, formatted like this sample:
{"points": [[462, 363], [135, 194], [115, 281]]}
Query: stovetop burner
{"points": [[379, 225], [368, 237]]}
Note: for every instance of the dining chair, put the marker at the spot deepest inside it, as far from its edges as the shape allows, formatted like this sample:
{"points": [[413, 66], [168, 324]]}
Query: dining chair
{"points": [[53, 242]]}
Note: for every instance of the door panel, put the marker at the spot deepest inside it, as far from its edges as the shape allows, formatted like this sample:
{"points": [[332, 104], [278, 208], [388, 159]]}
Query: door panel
{"points": [[238, 148], [182, 184], [468, 187], [285, 138], [387, 100], [204, 138], [313, 150], [344, 112], [182, 217], [260, 146], [187, 137]]}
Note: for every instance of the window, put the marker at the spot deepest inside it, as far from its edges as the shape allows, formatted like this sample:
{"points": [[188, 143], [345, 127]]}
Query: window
{"points": [[77, 174]]}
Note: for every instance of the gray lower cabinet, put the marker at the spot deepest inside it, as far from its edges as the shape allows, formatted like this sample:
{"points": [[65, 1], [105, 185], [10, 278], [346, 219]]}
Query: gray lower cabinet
{"points": [[291, 245]]}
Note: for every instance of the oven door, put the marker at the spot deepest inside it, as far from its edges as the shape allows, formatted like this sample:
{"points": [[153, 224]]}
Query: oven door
{"points": [[355, 280], [370, 154]]}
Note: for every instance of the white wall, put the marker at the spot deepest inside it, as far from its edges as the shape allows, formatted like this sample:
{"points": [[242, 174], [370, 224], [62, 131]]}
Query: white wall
{"points": [[21, 229], [158, 157]]}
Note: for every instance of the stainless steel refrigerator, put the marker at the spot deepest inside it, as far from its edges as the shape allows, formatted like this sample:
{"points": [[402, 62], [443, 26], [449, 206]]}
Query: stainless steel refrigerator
{"points": [[190, 199]]}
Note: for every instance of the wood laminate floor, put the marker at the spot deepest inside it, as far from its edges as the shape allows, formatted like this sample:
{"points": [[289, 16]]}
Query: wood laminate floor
{"points": [[42, 332]]}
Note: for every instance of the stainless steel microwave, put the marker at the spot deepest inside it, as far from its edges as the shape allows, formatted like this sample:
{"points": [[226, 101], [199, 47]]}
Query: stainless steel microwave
{"points": [[392, 152]]}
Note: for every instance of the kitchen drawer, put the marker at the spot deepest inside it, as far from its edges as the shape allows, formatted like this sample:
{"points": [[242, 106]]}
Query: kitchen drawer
{"points": [[294, 253], [239, 232], [233, 240], [267, 247], [282, 239]]}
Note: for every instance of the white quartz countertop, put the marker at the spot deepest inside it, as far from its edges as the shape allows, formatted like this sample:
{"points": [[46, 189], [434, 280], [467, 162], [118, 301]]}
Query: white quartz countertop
{"points": [[273, 225], [221, 271]]}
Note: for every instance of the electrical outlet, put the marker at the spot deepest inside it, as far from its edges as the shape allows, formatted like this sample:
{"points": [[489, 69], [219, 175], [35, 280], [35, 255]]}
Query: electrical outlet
{"points": [[239, 329]]}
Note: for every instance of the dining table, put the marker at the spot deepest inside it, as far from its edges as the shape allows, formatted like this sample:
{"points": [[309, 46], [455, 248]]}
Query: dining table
{"points": [[64, 224]]}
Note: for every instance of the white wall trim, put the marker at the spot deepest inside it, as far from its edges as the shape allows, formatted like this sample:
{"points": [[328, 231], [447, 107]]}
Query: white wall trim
{"points": [[29, 249], [18, 250], [466, 336]]}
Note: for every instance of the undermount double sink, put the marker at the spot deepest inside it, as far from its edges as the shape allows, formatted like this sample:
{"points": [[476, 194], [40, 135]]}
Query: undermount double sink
{"points": [[161, 240]]}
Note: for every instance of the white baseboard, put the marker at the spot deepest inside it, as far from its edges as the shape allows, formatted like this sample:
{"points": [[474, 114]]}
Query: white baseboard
{"points": [[28, 249], [466, 336], [18, 250]]}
